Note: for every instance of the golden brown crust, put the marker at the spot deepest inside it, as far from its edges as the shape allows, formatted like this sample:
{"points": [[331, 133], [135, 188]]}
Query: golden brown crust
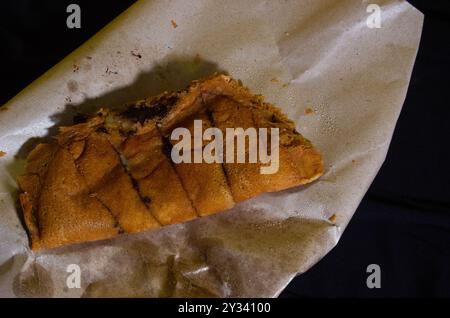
{"points": [[108, 181], [167, 195], [205, 183], [114, 173], [66, 212], [31, 184], [156, 178]]}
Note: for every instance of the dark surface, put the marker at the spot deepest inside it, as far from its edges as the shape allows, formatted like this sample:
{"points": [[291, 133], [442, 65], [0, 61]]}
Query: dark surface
{"points": [[34, 36], [403, 223]]}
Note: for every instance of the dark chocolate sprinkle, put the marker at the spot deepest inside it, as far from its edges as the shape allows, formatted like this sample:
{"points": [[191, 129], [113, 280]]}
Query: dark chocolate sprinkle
{"points": [[157, 109], [146, 200], [80, 118]]}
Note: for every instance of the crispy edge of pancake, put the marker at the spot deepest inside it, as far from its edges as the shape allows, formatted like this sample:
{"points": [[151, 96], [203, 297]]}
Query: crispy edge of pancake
{"points": [[36, 169], [31, 183]]}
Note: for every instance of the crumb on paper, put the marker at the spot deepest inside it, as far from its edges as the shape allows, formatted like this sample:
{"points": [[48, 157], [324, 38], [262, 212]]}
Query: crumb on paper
{"points": [[286, 33], [108, 71], [353, 160], [118, 52], [274, 80], [75, 68], [285, 85], [89, 57], [136, 54], [332, 218], [173, 23], [309, 111], [2, 153]]}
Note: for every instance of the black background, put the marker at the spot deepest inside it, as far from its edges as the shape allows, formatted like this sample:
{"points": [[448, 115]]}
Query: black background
{"points": [[403, 222]]}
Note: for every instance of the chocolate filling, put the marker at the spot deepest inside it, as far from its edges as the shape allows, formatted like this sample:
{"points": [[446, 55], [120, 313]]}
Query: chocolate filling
{"points": [[117, 225], [155, 109], [101, 129], [80, 118], [167, 150], [145, 199], [213, 123], [167, 147]]}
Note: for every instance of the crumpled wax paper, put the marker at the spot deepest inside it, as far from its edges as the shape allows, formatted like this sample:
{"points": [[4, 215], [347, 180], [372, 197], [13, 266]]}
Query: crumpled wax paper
{"points": [[342, 82]]}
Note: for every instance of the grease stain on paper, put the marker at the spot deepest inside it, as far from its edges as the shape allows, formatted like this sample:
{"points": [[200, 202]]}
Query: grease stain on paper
{"points": [[35, 281]]}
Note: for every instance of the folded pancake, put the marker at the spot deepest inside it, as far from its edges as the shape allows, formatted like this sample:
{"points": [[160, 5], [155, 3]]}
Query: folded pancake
{"points": [[114, 173]]}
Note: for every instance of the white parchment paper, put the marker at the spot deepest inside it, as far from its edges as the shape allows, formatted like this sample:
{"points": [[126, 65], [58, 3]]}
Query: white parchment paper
{"points": [[342, 82]]}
